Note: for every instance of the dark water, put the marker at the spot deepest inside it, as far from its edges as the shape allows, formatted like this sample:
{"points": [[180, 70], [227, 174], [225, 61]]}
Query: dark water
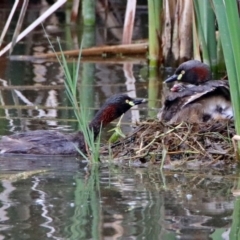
{"points": [[61, 198], [64, 198]]}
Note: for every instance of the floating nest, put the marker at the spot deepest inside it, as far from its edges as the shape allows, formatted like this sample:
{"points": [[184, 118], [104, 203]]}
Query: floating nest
{"points": [[154, 141]]}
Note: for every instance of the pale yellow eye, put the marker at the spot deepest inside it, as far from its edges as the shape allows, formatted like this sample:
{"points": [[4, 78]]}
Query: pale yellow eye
{"points": [[131, 103], [180, 75]]}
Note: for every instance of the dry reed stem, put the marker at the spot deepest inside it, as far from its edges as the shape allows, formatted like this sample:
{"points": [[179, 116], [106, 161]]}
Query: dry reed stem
{"points": [[103, 51]]}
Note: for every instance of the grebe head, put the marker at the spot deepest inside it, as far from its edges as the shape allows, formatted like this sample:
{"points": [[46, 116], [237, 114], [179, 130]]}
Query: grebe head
{"points": [[114, 107], [193, 72]]}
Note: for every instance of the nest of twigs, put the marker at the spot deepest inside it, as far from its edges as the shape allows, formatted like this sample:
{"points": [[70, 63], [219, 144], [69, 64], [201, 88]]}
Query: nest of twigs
{"points": [[154, 141]]}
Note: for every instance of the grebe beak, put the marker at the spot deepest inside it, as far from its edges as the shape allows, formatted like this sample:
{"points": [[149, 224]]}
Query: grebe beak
{"points": [[173, 78], [137, 101]]}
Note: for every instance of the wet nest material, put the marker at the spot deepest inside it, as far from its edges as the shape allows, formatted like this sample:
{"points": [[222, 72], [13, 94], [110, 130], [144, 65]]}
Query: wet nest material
{"points": [[154, 141]]}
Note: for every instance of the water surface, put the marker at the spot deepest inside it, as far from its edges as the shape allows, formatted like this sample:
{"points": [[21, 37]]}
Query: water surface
{"points": [[62, 198], [43, 197]]}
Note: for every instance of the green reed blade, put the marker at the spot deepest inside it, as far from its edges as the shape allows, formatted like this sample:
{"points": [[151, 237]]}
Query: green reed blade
{"points": [[154, 7], [229, 28], [206, 30]]}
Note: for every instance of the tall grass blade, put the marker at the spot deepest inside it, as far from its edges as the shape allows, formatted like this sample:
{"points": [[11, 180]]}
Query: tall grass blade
{"points": [[81, 113], [210, 32], [206, 20], [229, 28]]}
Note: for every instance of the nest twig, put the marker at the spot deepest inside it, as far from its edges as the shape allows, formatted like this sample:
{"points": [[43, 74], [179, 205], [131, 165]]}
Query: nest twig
{"points": [[152, 140]]}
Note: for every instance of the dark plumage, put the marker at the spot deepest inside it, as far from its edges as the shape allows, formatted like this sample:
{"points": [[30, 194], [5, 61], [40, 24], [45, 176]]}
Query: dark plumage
{"points": [[47, 142], [193, 72], [195, 98]]}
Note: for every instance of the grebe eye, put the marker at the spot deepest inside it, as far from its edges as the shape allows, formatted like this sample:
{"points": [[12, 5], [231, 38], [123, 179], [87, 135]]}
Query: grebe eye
{"points": [[180, 75], [131, 103]]}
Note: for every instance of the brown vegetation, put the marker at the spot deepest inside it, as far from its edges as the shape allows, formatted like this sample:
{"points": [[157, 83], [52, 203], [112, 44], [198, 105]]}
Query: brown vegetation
{"points": [[154, 141]]}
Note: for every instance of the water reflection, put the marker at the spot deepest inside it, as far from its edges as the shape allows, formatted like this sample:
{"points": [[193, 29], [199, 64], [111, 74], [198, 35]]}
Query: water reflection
{"points": [[73, 201], [37, 105], [33, 95]]}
